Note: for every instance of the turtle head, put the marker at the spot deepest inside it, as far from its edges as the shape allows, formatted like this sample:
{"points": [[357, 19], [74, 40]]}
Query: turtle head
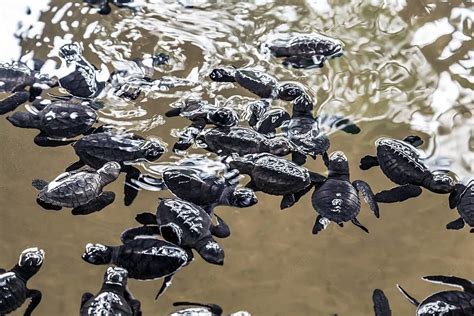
{"points": [[279, 146], [97, 254], [31, 258], [110, 171], [116, 276], [243, 197], [289, 91], [338, 162], [242, 164], [211, 251], [440, 183], [303, 104], [222, 75], [223, 117], [333, 48], [152, 150], [70, 53], [23, 119]]}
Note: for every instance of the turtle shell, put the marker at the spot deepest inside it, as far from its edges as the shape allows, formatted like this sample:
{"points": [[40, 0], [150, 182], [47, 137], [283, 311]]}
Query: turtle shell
{"points": [[82, 81], [191, 221], [238, 140], [448, 303], [62, 119], [72, 189], [193, 109], [466, 205], [278, 176], [15, 75], [106, 303], [305, 134], [400, 162], [190, 185], [12, 292], [257, 82], [337, 200], [150, 258], [305, 46]]}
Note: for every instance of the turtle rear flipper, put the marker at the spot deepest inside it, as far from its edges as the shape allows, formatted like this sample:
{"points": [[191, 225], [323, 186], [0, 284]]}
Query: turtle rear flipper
{"points": [[381, 304], [456, 224], [364, 189], [12, 102], [221, 229], [39, 184], [48, 206], [368, 162], [35, 296], [298, 158], [166, 284], [132, 233], [76, 165], [455, 195], [466, 285], [398, 194], [146, 218], [356, 222], [320, 224], [85, 297], [413, 140], [410, 298], [43, 140], [131, 187], [95, 205]]}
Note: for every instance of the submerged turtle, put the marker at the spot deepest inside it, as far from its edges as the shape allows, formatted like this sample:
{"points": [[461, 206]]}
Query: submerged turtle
{"points": [[400, 161], [337, 199], [57, 121], [143, 258], [258, 82], [99, 148], [15, 78], [113, 298], [104, 7], [381, 304], [462, 198], [305, 51], [200, 113], [276, 176], [200, 309], [80, 190], [184, 224], [13, 288], [446, 303]]}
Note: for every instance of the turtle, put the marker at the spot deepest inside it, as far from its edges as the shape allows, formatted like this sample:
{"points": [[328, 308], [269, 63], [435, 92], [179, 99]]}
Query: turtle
{"points": [[336, 199], [101, 147], [305, 50], [80, 190], [264, 119], [13, 283], [462, 198], [276, 176], [400, 161], [113, 297], [184, 224], [145, 258], [446, 303], [197, 309], [258, 82], [381, 304], [200, 113], [104, 7], [15, 78], [57, 121]]}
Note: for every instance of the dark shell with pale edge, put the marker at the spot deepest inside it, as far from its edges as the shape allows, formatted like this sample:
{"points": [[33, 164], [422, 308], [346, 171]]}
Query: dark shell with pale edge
{"points": [[104, 303], [12, 292], [15, 75], [448, 303], [305, 46], [337, 200], [238, 140]]}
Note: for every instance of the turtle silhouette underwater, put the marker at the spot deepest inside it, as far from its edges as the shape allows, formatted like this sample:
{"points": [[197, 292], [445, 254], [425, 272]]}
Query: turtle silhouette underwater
{"points": [[113, 297], [184, 224], [57, 121], [381, 304], [400, 161], [13, 283], [445, 303], [462, 198], [145, 258], [305, 50], [336, 199], [200, 113], [16, 78], [80, 190]]}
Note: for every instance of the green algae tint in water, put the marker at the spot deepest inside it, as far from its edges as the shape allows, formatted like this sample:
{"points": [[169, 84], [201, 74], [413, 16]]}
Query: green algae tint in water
{"points": [[406, 68]]}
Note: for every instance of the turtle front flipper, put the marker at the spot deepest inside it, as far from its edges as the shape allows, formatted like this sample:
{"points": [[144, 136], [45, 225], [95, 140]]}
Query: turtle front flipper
{"points": [[131, 187], [39, 184], [173, 112], [466, 285], [320, 224], [271, 121], [35, 296], [364, 188], [76, 165], [187, 137], [146, 218], [398, 194], [413, 140], [298, 158], [356, 222], [166, 284], [85, 297], [410, 298], [43, 140], [381, 304], [221, 229], [95, 205], [455, 195], [456, 224], [48, 206], [287, 201], [368, 162], [12, 102], [132, 233], [210, 250]]}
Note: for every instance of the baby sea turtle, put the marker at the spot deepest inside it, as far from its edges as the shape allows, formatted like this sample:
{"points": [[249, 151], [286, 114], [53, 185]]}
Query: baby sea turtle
{"points": [[184, 224], [56, 121], [462, 198], [104, 7], [80, 190], [113, 298], [145, 258], [381, 304], [98, 148], [305, 51], [337, 199], [400, 161], [258, 82], [15, 78], [13, 290], [275, 176], [446, 303], [263, 118], [200, 309], [200, 113]]}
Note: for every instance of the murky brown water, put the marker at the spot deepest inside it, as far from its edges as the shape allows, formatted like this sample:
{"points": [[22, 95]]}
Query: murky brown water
{"points": [[406, 69]]}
